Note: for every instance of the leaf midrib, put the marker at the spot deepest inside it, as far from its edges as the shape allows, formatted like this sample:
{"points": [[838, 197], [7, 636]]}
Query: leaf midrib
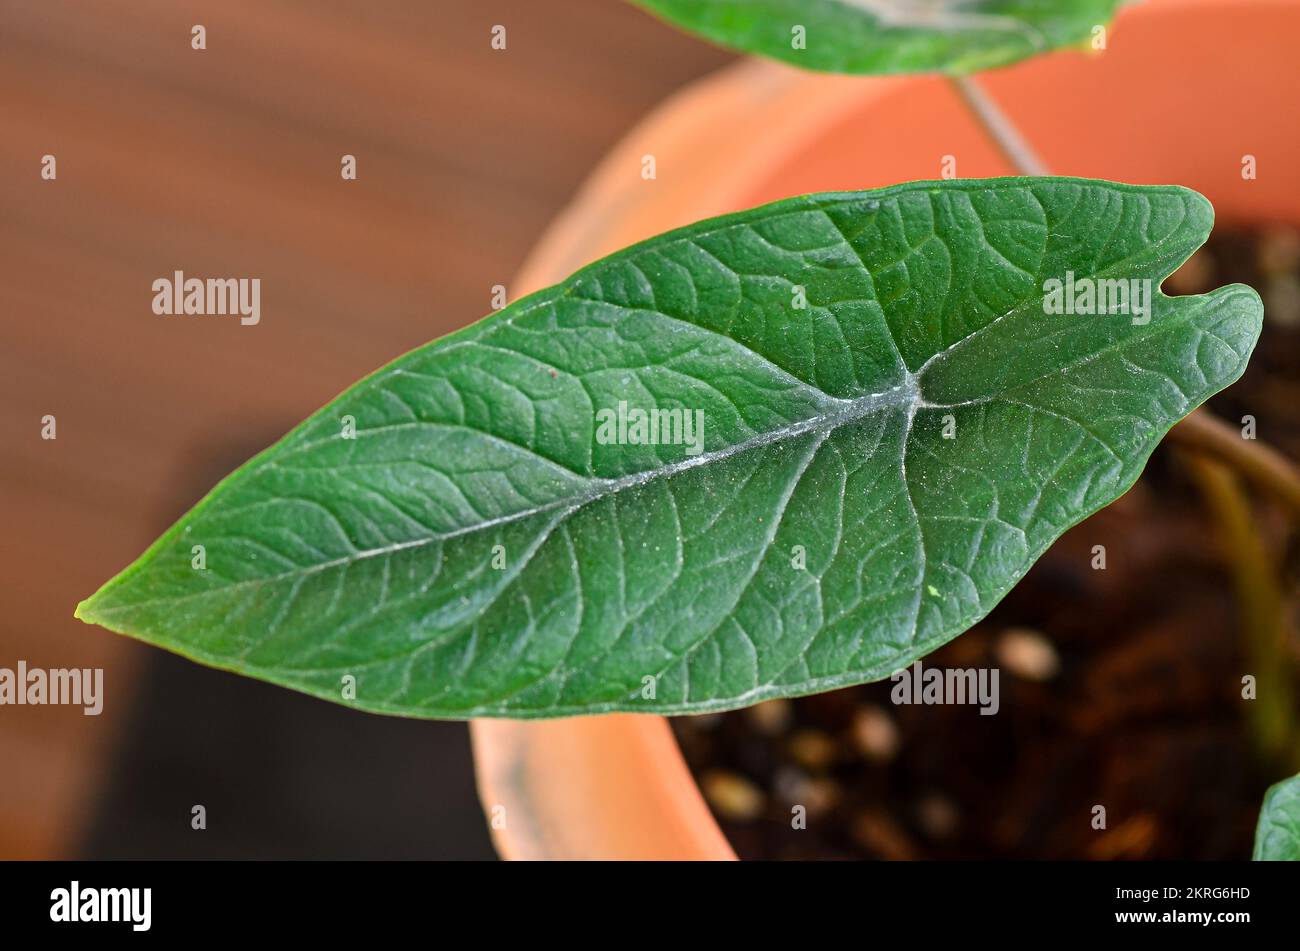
{"points": [[905, 395]]}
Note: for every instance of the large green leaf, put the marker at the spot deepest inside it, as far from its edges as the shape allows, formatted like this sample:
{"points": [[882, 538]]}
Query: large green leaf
{"points": [[828, 533], [890, 36], [1277, 836]]}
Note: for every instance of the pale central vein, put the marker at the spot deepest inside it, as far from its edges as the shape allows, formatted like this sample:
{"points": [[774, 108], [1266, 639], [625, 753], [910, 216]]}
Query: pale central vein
{"points": [[905, 396]]}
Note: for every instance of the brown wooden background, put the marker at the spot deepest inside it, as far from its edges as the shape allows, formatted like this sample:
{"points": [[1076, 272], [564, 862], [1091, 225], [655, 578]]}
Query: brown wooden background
{"points": [[225, 162]]}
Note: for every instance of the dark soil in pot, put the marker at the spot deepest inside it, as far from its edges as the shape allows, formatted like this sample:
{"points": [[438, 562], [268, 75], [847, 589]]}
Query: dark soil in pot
{"points": [[1118, 688]]}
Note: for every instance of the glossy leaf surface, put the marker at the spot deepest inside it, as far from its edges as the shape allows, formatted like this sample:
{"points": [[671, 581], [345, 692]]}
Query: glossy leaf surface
{"points": [[893, 430]]}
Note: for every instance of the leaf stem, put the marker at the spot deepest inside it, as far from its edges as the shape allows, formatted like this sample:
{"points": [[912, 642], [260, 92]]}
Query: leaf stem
{"points": [[1258, 462], [1013, 146], [1261, 610]]}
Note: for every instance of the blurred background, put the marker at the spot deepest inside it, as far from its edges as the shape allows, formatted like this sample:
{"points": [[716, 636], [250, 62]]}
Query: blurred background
{"points": [[227, 161]]}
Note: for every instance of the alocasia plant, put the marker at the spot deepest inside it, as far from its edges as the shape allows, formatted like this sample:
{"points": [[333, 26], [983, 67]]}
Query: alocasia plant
{"points": [[896, 422], [890, 36], [1277, 837]]}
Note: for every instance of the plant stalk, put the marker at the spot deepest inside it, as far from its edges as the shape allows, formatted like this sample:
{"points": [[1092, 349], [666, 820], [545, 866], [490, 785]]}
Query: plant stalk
{"points": [[1261, 608], [1259, 462], [1001, 130]]}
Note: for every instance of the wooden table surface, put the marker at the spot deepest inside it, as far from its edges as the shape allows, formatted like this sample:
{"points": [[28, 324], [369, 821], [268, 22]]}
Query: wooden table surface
{"points": [[226, 162]]}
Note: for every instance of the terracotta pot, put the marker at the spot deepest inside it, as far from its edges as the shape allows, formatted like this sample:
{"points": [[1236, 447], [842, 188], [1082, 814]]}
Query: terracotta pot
{"points": [[1185, 90]]}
